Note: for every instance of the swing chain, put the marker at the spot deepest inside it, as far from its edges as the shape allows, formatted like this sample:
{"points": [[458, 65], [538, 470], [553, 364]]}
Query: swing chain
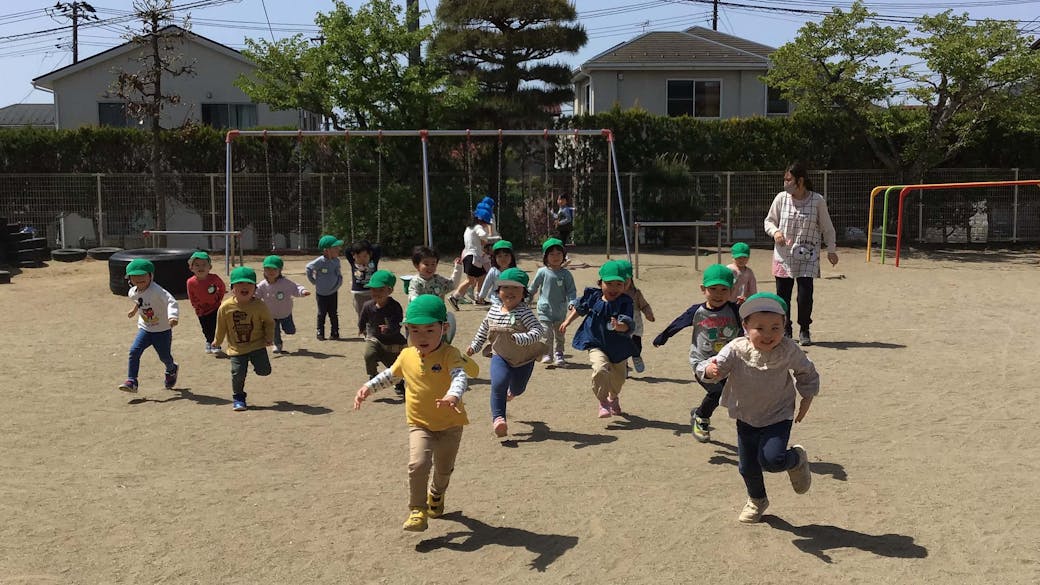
{"points": [[270, 196], [379, 189], [469, 167], [350, 189], [498, 196], [299, 196]]}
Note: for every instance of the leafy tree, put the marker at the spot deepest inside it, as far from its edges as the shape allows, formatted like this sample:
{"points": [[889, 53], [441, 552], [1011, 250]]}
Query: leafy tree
{"points": [[504, 45], [358, 75]]}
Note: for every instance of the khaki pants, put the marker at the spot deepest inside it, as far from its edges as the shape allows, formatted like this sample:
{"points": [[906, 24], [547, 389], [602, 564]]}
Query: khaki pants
{"points": [[607, 377], [426, 449]]}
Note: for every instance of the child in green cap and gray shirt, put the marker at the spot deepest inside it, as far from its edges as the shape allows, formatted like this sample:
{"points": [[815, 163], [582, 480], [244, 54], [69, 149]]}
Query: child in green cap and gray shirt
{"points": [[325, 274], [554, 285]]}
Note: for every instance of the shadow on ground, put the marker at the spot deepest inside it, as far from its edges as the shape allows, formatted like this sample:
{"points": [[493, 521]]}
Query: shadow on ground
{"points": [[185, 394], [631, 422], [816, 539], [541, 432], [548, 547]]}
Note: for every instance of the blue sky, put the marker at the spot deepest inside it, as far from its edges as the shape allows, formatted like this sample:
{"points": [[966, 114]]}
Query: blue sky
{"points": [[608, 22]]}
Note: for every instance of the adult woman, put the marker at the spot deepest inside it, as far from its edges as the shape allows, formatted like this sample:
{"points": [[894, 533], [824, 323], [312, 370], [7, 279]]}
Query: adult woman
{"points": [[799, 224]]}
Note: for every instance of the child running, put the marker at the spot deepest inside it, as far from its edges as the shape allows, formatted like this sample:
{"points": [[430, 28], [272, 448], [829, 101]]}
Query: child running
{"points": [[157, 315], [605, 334], [556, 292], [744, 282], [760, 393], [325, 274], [364, 261], [436, 376], [473, 253], [642, 308], [380, 319], [249, 328], [428, 282], [503, 257], [277, 292], [205, 292], [715, 323], [564, 217], [515, 336]]}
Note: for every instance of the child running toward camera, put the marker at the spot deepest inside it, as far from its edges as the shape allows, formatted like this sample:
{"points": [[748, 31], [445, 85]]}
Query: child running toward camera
{"points": [[744, 282], [249, 328], [642, 309], [715, 323], [437, 376], [760, 393], [556, 292], [157, 315], [605, 334], [381, 319], [277, 292], [515, 335], [205, 292], [475, 236], [428, 282], [325, 274], [503, 257]]}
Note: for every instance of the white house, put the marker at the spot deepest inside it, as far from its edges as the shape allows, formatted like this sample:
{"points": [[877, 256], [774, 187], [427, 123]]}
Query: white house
{"points": [[698, 72], [84, 95]]}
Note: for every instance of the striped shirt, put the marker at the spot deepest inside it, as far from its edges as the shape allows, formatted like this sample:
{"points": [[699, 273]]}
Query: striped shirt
{"points": [[497, 318]]}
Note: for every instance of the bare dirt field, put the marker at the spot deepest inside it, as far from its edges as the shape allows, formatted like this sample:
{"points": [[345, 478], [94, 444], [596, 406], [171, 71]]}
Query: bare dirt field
{"points": [[924, 442]]}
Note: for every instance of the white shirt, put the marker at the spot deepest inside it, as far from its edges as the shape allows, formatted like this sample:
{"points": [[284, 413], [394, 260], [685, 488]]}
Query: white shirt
{"points": [[155, 307], [473, 241]]}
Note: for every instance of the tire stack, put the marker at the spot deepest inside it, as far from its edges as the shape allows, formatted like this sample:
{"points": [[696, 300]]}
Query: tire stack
{"points": [[171, 269], [6, 254], [30, 251]]}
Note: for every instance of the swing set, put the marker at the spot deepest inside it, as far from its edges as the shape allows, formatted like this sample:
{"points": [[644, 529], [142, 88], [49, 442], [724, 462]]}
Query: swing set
{"points": [[424, 136]]}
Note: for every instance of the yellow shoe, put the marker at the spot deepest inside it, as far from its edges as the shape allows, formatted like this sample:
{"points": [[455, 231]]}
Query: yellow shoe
{"points": [[416, 521], [434, 505]]}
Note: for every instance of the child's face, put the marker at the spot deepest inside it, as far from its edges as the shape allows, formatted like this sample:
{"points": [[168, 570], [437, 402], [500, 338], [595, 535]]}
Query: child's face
{"points": [[380, 294], [510, 296], [200, 268], [427, 267], [426, 338], [243, 291], [361, 258], [561, 202], [554, 258], [503, 259], [612, 289], [765, 330], [332, 252], [716, 294], [741, 262], [272, 274], [141, 281]]}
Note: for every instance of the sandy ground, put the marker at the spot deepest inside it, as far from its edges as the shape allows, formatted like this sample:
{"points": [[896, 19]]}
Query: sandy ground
{"points": [[924, 448]]}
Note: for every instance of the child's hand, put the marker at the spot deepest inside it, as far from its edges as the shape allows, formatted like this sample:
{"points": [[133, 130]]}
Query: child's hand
{"points": [[173, 322], [448, 401], [458, 260], [563, 329], [132, 312], [306, 293], [712, 369], [384, 328], [778, 237], [618, 325], [803, 408], [832, 258], [362, 394], [650, 317], [469, 351], [741, 299]]}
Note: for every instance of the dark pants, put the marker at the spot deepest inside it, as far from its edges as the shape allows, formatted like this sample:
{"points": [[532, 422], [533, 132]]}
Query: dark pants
{"points": [[637, 341], [240, 366], [328, 305], [763, 449], [287, 325], [710, 401], [209, 326], [564, 232], [505, 380], [161, 341], [376, 353], [784, 287]]}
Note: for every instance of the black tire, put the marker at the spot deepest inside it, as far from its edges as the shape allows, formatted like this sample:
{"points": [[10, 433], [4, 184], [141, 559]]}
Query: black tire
{"points": [[171, 269], [68, 254], [102, 253], [5, 277], [13, 228], [37, 255], [32, 244], [31, 264]]}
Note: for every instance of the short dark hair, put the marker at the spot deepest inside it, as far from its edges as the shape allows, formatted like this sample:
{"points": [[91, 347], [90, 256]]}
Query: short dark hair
{"points": [[420, 252], [361, 246], [565, 197]]}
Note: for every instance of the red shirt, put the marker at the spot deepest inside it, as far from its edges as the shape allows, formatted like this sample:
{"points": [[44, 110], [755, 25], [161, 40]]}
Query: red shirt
{"points": [[206, 295]]}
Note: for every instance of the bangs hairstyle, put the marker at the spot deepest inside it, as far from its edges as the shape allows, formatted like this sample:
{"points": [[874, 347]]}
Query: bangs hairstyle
{"points": [[420, 252]]}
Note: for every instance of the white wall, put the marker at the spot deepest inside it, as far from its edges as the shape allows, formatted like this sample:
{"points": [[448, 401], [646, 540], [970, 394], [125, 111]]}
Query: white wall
{"points": [[743, 95]]}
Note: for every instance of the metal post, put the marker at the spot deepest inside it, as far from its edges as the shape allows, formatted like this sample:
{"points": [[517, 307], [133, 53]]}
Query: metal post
{"points": [[212, 206], [1014, 211], [920, 216], [697, 248], [610, 207], [100, 214], [426, 190], [825, 173], [227, 210], [718, 243], [617, 178], [631, 202], [635, 232], [321, 201], [729, 209]]}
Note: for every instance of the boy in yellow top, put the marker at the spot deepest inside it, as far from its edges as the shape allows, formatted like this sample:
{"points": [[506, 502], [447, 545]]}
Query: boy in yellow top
{"points": [[249, 328], [436, 375]]}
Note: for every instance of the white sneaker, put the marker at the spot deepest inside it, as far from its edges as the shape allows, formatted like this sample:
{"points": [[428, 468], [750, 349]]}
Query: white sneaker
{"points": [[753, 510], [801, 475], [216, 349], [547, 359], [559, 362], [209, 348]]}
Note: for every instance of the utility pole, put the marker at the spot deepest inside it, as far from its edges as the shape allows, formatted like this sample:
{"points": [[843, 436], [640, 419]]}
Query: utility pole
{"points": [[412, 14], [715, 15], [76, 11]]}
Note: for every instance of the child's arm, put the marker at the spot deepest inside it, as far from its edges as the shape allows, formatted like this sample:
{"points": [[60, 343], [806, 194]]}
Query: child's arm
{"points": [[645, 308], [534, 332], [752, 285], [172, 311], [298, 290], [624, 321], [192, 297], [268, 324], [218, 337], [715, 369], [133, 311], [569, 288], [310, 272], [383, 380], [364, 316], [572, 314], [807, 382], [681, 322], [459, 384], [480, 338], [489, 284]]}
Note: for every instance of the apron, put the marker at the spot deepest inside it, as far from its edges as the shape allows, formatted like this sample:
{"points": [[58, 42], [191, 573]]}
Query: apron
{"points": [[799, 221]]}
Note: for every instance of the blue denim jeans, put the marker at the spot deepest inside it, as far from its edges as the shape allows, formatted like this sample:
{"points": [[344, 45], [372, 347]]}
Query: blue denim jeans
{"points": [[240, 366], [161, 341], [763, 449], [280, 325], [505, 379]]}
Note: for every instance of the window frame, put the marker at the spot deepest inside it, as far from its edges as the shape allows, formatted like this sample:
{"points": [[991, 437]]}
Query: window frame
{"points": [[227, 106], [768, 101], [694, 81]]}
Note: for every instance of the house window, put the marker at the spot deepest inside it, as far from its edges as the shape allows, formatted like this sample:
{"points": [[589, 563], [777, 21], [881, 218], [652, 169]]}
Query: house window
{"points": [[587, 109], [229, 115], [776, 105], [114, 114], [700, 99]]}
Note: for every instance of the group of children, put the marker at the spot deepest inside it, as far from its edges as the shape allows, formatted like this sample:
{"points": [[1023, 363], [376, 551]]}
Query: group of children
{"points": [[739, 353]]}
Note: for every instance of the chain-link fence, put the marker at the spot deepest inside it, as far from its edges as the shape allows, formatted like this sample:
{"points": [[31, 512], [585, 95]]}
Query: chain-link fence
{"points": [[288, 211]]}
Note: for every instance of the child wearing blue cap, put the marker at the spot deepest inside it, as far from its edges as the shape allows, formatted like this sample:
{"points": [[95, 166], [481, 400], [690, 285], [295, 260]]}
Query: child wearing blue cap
{"points": [[474, 238]]}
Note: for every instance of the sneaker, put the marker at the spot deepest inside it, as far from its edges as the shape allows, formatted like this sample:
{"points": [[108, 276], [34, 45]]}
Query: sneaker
{"points": [[416, 521], [209, 347], [239, 405], [454, 302], [321, 336], [129, 386], [804, 338], [216, 350], [801, 475], [547, 359], [614, 406], [638, 363], [171, 378], [434, 505], [278, 349], [753, 510], [500, 426], [399, 389], [604, 410], [334, 336], [559, 361], [701, 429]]}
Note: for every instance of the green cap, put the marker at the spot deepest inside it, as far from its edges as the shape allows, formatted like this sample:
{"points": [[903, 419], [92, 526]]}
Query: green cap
{"points": [[612, 271], [741, 250], [425, 310], [329, 242], [513, 277], [273, 262], [381, 278], [140, 267], [763, 302], [717, 275], [502, 245], [626, 268], [200, 255], [548, 244], [243, 274]]}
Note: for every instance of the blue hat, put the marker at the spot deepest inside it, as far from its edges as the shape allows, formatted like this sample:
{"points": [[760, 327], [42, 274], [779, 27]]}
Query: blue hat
{"points": [[488, 201], [483, 215]]}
